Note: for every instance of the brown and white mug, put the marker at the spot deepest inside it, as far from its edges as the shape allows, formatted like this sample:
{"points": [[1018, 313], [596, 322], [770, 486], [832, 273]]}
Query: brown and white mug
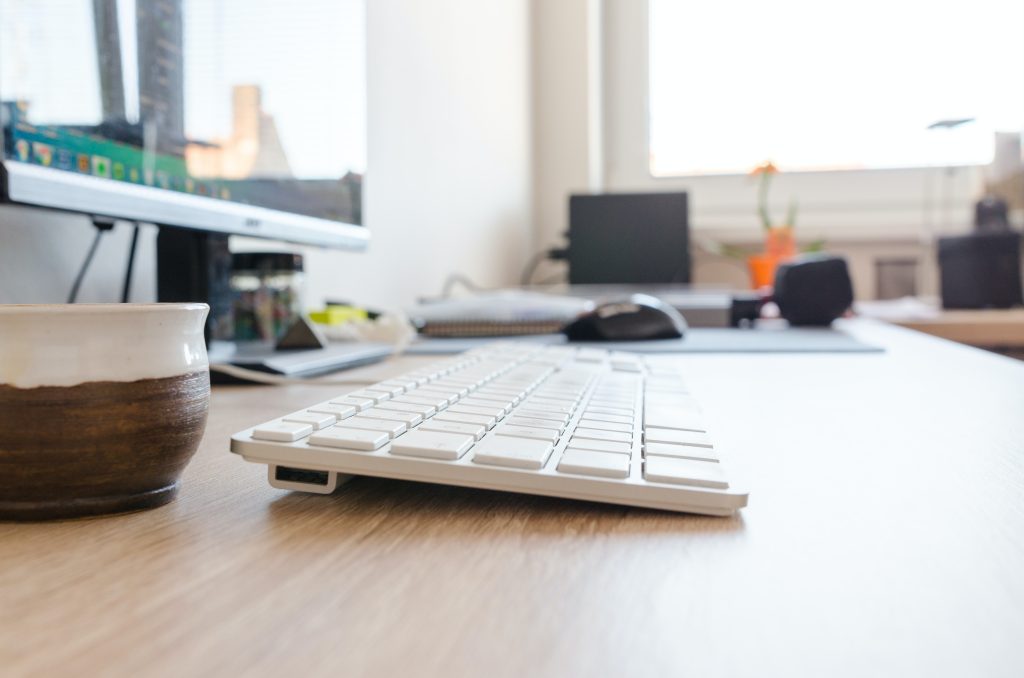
{"points": [[101, 406]]}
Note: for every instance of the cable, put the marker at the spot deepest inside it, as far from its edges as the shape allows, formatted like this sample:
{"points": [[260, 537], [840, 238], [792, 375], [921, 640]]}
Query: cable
{"points": [[553, 253], [127, 288], [102, 226], [455, 279], [531, 266]]}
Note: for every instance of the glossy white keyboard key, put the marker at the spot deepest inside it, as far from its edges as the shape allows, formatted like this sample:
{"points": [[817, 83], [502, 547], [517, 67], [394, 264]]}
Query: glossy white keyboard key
{"points": [[432, 445], [685, 472], [681, 451], [675, 419], [392, 428], [532, 404], [541, 414], [389, 391], [609, 418], [410, 419], [458, 390], [442, 426], [397, 383], [545, 434], [464, 418], [282, 431], [608, 436], [445, 395], [513, 452], [535, 423], [590, 463], [358, 403], [603, 412], [669, 435], [317, 420], [600, 446], [606, 425], [414, 398], [350, 438], [375, 396], [339, 411], [417, 408], [485, 410]]}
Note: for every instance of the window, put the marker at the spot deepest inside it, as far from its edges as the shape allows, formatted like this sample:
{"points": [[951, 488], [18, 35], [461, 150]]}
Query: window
{"points": [[814, 85]]}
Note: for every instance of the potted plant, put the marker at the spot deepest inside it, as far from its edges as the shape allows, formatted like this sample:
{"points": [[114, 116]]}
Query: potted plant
{"points": [[779, 243]]}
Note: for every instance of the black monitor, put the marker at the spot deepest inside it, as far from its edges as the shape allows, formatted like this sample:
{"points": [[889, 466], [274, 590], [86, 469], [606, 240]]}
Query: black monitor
{"points": [[211, 117], [629, 238]]}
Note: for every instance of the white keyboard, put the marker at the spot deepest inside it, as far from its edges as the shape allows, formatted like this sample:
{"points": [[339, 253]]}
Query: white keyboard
{"points": [[558, 421]]}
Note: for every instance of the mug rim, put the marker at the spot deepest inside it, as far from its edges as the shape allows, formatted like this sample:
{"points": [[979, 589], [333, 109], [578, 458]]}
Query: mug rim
{"points": [[158, 307]]}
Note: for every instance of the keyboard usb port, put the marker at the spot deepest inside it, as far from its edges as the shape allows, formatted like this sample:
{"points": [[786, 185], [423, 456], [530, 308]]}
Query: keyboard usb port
{"points": [[300, 475]]}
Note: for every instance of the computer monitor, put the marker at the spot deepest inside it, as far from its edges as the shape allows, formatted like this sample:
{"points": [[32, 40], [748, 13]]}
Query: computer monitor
{"points": [[213, 117], [620, 238]]}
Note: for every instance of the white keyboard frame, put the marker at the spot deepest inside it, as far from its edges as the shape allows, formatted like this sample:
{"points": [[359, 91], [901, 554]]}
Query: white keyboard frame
{"points": [[341, 464]]}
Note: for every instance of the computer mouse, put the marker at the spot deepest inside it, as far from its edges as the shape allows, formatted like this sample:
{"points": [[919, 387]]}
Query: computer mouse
{"points": [[637, 318]]}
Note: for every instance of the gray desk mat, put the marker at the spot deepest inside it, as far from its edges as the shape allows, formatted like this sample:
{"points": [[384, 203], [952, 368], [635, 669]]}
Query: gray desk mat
{"points": [[697, 340]]}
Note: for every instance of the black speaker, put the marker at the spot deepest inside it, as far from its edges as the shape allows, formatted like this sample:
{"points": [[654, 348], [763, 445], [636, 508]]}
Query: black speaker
{"points": [[981, 270], [813, 289]]}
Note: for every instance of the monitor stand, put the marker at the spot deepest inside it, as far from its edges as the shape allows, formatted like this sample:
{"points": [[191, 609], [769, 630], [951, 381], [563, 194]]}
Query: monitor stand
{"points": [[195, 266]]}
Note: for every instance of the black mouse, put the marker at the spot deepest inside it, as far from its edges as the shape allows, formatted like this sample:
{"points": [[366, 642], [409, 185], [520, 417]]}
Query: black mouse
{"points": [[638, 318]]}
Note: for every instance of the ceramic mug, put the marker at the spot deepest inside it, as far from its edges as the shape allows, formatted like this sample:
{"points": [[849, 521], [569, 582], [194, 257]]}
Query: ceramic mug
{"points": [[101, 406]]}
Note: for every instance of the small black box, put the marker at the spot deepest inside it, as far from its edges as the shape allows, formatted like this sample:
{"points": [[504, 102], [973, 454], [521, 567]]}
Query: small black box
{"points": [[981, 270]]}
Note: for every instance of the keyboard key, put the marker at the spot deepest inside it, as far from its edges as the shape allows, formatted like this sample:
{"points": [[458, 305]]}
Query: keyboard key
{"points": [[397, 383], [535, 423], [606, 425], [600, 446], [545, 434], [676, 419], [681, 451], [492, 412], [282, 431], [390, 390], [317, 420], [449, 396], [358, 403], [541, 414], [685, 472], [653, 434], [463, 418], [589, 463], [410, 419], [417, 408], [392, 428], [610, 418], [472, 401], [375, 396], [432, 445], [339, 411], [610, 411], [350, 438], [595, 434], [442, 426], [514, 452], [413, 398]]}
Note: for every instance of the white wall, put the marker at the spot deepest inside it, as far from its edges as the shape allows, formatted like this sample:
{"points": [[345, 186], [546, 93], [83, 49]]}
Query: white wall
{"points": [[449, 171]]}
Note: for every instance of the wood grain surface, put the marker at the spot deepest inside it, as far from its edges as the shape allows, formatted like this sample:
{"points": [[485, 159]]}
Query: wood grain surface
{"points": [[884, 537]]}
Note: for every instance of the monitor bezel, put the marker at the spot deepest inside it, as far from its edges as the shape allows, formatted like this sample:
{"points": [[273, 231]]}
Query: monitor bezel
{"points": [[32, 185]]}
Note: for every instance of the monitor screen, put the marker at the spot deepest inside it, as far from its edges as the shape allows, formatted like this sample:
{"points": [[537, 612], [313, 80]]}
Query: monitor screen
{"points": [[216, 104]]}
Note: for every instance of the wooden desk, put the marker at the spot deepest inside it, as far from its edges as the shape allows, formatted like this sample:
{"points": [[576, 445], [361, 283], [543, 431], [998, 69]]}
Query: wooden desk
{"points": [[884, 536], [1000, 330]]}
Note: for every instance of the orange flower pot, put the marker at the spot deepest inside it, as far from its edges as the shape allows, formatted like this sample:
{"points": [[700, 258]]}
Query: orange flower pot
{"points": [[762, 270], [779, 246]]}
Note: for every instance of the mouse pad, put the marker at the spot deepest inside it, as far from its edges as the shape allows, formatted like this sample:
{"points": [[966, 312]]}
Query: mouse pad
{"points": [[697, 340]]}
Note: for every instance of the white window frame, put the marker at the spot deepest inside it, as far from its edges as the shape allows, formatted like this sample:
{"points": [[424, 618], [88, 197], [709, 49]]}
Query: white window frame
{"points": [[883, 204]]}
